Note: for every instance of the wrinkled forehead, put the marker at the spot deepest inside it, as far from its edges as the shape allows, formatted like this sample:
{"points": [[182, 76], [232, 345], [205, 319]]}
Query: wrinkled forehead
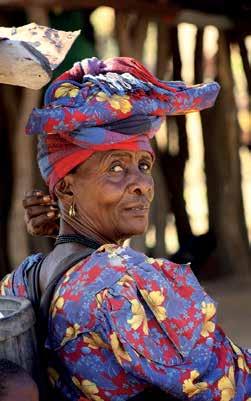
{"points": [[98, 158], [136, 154]]}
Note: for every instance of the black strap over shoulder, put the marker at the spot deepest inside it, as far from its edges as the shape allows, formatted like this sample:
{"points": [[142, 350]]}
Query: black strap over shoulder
{"points": [[41, 304], [65, 264]]}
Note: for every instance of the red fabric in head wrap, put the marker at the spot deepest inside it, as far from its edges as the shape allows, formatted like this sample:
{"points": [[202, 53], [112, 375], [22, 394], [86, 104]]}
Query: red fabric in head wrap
{"points": [[78, 156]]}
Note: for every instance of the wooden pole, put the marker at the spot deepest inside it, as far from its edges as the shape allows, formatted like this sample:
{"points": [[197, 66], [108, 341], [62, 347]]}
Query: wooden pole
{"points": [[247, 71], [131, 33], [222, 164], [173, 166], [161, 203], [245, 61]]}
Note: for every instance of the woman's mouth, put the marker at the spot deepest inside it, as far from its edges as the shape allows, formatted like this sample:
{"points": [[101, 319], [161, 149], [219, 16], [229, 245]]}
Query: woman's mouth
{"points": [[139, 210]]}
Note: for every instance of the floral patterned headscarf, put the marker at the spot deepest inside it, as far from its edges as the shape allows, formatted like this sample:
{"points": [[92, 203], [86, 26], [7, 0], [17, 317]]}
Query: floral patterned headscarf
{"points": [[103, 105]]}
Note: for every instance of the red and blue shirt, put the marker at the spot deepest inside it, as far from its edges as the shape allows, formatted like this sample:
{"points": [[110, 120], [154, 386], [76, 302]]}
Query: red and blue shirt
{"points": [[121, 322]]}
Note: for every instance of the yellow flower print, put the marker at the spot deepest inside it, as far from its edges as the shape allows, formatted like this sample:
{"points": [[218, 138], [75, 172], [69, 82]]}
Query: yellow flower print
{"points": [[94, 341], [209, 311], [4, 283], [242, 364], [88, 388], [241, 358], [118, 349], [59, 303], [138, 316], [56, 305], [100, 297], [190, 388], [154, 300], [126, 281], [117, 102], [53, 375], [71, 333], [159, 261], [150, 260], [227, 386], [107, 248], [111, 249], [66, 89]]}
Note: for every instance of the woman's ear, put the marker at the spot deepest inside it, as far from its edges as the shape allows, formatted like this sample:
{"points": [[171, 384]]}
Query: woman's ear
{"points": [[63, 188]]}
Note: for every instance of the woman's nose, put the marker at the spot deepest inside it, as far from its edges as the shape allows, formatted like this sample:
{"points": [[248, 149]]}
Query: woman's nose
{"points": [[141, 184]]}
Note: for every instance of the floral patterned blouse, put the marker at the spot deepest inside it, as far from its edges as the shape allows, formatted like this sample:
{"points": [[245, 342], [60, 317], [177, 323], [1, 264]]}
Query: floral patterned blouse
{"points": [[120, 322]]}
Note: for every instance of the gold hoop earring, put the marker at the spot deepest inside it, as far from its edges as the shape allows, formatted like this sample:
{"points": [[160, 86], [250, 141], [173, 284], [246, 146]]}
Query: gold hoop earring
{"points": [[72, 211]]}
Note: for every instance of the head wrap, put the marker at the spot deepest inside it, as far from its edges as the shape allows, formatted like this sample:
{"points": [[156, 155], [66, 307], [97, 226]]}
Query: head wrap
{"points": [[102, 105]]}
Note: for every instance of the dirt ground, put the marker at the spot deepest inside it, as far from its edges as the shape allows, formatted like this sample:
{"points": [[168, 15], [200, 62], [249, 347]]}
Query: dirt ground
{"points": [[234, 307]]}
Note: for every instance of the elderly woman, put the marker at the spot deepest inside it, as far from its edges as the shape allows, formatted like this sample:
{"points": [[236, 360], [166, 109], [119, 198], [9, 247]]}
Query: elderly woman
{"points": [[120, 321]]}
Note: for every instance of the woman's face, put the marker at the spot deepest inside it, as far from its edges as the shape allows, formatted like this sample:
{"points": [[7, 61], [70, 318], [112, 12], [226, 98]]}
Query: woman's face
{"points": [[112, 192]]}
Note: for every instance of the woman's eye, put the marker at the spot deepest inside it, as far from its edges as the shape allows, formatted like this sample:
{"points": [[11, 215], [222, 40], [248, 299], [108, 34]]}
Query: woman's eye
{"points": [[116, 168], [145, 167]]}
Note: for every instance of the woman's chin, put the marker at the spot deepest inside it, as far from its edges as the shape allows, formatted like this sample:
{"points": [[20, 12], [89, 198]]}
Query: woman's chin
{"points": [[136, 229]]}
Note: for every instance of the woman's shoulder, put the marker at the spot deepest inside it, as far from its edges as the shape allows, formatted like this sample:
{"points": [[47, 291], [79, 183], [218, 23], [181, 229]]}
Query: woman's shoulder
{"points": [[110, 262], [116, 255], [155, 277], [156, 292], [14, 283], [140, 264], [120, 285]]}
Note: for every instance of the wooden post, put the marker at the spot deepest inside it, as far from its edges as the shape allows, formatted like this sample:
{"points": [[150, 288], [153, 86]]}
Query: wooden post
{"points": [[222, 165], [245, 61], [173, 166], [131, 33], [247, 70], [160, 207]]}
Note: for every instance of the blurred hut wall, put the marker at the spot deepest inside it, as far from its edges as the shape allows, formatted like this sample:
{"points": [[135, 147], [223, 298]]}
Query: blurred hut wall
{"points": [[125, 34]]}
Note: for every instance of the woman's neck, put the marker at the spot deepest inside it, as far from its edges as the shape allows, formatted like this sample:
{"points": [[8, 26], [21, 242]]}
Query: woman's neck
{"points": [[74, 227]]}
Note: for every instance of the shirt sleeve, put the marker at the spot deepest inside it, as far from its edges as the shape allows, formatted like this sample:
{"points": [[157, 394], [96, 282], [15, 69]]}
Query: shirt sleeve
{"points": [[14, 284], [6, 285]]}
